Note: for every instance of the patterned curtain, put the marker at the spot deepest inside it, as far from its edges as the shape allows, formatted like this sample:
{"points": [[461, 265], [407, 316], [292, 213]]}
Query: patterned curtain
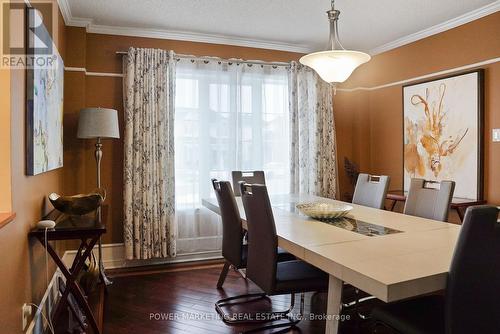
{"points": [[149, 226], [313, 148]]}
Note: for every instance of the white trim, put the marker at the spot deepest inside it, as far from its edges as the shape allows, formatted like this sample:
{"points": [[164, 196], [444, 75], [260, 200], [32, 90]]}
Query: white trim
{"points": [[196, 37], [80, 22], [422, 77], [438, 28], [113, 256], [69, 20], [93, 74], [347, 90], [65, 10], [175, 35], [75, 69], [102, 74], [262, 44]]}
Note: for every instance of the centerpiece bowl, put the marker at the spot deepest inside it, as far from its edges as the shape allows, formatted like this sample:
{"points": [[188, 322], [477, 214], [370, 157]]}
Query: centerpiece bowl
{"points": [[324, 210]]}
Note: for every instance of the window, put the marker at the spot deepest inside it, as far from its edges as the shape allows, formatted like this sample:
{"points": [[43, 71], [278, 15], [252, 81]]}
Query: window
{"points": [[228, 117]]}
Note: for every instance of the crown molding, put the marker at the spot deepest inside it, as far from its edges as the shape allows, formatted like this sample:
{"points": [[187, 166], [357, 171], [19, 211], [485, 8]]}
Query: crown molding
{"points": [[262, 44], [80, 22], [65, 10], [174, 35], [438, 28], [196, 37]]}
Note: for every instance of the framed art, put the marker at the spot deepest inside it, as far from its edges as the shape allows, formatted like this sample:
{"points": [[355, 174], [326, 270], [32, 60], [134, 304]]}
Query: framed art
{"points": [[443, 132], [44, 101]]}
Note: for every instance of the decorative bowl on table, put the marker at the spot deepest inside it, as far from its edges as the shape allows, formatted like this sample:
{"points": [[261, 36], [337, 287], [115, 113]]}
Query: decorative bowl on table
{"points": [[80, 204], [324, 210]]}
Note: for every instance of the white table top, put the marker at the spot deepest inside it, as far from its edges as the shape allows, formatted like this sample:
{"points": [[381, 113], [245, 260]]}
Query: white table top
{"points": [[390, 267]]}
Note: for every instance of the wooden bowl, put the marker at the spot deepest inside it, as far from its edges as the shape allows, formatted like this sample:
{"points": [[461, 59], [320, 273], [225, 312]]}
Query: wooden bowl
{"points": [[80, 204]]}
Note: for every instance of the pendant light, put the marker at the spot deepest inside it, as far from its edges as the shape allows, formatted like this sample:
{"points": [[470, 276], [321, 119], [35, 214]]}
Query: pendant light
{"points": [[335, 65]]}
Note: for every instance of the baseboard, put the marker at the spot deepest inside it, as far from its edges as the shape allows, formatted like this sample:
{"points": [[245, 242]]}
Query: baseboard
{"points": [[113, 256]]}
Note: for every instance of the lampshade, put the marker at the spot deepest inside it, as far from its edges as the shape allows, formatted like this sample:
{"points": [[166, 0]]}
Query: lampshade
{"points": [[98, 123], [335, 66]]}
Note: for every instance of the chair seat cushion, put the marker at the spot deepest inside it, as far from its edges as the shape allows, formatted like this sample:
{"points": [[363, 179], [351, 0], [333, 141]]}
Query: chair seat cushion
{"points": [[283, 255], [297, 276], [416, 316]]}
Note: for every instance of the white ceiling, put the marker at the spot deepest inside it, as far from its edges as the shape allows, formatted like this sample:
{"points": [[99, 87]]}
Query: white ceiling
{"points": [[298, 25]]}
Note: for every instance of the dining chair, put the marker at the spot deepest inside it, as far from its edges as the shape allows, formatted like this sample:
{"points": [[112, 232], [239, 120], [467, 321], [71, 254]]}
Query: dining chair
{"points": [[471, 302], [429, 199], [371, 190], [251, 177], [263, 267], [233, 249]]}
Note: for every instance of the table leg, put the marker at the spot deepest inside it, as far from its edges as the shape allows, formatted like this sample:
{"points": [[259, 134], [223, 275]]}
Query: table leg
{"points": [[65, 293], [71, 284], [460, 214], [334, 305], [78, 254], [63, 302]]}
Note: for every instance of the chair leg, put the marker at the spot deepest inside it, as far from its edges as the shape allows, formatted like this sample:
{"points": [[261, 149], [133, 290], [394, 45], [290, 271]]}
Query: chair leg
{"points": [[360, 300], [243, 273], [378, 325], [291, 323], [263, 317], [223, 275], [355, 304]]}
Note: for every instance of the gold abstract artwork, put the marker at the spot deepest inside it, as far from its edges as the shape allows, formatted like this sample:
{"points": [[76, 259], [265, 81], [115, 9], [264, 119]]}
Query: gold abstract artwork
{"points": [[429, 133], [442, 119]]}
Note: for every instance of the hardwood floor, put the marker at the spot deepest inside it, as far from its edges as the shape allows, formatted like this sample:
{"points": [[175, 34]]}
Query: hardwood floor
{"points": [[182, 301]]}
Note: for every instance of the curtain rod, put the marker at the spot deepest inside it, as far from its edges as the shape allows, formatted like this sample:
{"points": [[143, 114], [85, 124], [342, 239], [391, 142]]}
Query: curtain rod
{"points": [[241, 61]]}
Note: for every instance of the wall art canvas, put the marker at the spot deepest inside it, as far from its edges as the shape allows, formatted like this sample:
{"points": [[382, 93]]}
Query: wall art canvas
{"points": [[443, 132], [44, 127]]}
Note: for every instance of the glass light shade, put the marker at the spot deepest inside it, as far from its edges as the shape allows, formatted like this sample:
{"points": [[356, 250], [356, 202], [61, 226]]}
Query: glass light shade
{"points": [[335, 66]]}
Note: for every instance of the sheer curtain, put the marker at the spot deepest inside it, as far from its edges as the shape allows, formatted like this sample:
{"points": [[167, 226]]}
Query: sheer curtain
{"points": [[228, 116]]}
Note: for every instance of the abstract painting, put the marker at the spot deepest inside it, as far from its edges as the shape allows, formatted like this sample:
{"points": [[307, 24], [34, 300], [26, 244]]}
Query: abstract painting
{"points": [[44, 130], [443, 132]]}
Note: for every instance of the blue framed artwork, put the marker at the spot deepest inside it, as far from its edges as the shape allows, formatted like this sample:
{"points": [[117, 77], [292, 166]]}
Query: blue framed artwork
{"points": [[44, 92]]}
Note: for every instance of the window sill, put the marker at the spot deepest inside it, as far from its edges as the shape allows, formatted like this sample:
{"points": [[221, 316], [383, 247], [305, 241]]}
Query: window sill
{"points": [[6, 217]]}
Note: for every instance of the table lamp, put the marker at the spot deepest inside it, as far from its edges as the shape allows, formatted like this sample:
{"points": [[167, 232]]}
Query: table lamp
{"points": [[98, 123]]}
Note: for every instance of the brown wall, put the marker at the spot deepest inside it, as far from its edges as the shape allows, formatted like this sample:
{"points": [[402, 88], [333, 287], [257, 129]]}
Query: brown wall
{"points": [[22, 266], [5, 186], [369, 123], [97, 53], [369, 129]]}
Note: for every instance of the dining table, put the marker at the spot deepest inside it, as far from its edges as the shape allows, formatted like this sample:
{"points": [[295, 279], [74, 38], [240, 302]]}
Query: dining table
{"points": [[389, 255]]}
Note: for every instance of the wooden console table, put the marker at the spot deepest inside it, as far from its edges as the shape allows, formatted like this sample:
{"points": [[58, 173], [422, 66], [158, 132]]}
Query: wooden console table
{"points": [[86, 229], [458, 204]]}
